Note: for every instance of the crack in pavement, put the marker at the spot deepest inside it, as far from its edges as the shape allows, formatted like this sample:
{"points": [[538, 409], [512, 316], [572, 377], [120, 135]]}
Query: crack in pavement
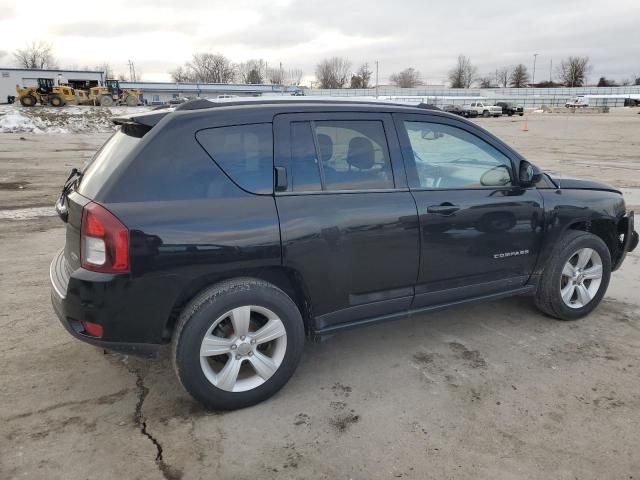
{"points": [[168, 472]]}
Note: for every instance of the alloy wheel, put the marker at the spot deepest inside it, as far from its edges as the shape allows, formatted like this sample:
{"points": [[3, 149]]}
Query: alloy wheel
{"points": [[243, 348], [581, 278]]}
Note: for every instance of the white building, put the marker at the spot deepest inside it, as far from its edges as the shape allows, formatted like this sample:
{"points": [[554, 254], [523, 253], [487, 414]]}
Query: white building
{"points": [[10, 77], [155, 93]]}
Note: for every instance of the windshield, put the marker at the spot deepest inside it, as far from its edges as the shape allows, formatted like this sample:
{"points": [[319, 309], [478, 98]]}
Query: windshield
{"points": [[105, 162]]}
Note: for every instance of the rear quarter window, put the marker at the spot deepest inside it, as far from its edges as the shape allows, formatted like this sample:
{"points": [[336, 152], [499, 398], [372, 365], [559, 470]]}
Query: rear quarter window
{"points": [[105, 162], [244, 152]]}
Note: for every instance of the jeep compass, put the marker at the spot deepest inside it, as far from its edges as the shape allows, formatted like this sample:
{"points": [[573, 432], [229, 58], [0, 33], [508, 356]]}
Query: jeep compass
{"points": [[233, 230]]}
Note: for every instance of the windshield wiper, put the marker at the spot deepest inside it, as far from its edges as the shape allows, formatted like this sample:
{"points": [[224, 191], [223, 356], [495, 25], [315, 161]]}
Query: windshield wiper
{"points": [[61, 204]]}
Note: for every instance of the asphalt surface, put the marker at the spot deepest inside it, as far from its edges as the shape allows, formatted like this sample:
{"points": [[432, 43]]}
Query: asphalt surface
{"points": [[495, 390]]}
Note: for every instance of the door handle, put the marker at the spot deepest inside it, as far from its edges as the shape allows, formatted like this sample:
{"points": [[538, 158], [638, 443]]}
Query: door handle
{"points": [[443, 209]]}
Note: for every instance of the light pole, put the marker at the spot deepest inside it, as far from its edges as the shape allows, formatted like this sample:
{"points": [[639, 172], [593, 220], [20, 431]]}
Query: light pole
{"points": [[376, 78], [533, 77]]}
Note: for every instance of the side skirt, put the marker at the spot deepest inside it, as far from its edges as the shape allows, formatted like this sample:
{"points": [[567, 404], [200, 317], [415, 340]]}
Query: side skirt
{"points": [[527, 289]]}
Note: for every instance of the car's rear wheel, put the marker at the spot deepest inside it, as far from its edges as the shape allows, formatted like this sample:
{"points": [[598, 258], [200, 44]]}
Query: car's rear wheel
{"points": [[486, 114], [237, 343], [576, 277]]}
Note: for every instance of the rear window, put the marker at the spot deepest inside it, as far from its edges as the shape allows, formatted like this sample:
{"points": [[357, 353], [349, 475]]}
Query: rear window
{"points": [[105, 162], [244, 152]]}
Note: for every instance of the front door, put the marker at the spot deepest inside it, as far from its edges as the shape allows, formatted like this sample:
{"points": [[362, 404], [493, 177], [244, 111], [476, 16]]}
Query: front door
{"points": [[480, 231], [348, 222]]}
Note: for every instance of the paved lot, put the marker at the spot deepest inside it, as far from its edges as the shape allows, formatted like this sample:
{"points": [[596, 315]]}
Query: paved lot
{"points": [[487, 391]]}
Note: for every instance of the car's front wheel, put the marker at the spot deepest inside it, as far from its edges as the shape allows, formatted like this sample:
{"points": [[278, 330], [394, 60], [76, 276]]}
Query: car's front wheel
{"points": [[576, 276], [237, 343]]}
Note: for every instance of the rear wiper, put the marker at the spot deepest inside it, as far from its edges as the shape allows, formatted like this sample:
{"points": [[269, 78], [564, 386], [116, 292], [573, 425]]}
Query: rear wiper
{"points": [[61, 204]]}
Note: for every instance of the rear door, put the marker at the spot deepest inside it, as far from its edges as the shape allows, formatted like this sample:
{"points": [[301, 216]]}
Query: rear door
{"points": [[480, 231], [348, 222]]}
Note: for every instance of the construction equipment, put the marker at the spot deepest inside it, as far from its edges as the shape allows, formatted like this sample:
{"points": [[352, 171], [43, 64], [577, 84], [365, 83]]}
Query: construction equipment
{"points": [[46, 93], [111, 93]]}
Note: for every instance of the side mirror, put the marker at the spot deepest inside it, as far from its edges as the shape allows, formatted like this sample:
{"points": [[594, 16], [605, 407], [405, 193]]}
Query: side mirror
{"points": [[496, 177], [529, 174]]}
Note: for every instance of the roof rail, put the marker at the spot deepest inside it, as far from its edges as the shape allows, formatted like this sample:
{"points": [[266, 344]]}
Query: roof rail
{"points": [[201, 103]]}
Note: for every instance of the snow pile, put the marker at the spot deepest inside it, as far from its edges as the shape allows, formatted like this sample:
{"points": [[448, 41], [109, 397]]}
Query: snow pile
{"points": [[49, 120]]}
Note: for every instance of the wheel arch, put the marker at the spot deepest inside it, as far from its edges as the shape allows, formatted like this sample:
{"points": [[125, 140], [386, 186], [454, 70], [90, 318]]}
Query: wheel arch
{"points": [[604, 228], [286, 279]]}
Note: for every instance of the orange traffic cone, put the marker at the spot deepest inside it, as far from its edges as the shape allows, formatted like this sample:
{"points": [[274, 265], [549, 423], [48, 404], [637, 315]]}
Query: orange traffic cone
{"points": [[526, 123]]}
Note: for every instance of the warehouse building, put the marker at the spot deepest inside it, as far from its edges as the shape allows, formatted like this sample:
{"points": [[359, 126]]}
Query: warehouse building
{"points": [[156, 93], [26, 77]]}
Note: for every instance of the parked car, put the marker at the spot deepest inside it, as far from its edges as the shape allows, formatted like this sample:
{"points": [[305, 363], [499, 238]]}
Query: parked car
{"points": [[510, 109], [484, 109], [233, 230], [460, 110], [579, 101]]}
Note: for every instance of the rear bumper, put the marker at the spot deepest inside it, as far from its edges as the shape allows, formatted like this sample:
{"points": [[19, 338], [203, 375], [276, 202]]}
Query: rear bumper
{"points": [[72, 304], [630, 238]]}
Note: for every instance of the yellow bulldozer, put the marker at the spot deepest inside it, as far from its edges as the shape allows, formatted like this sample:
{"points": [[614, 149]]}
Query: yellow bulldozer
{"points": [[46, 93], [111, 94]]}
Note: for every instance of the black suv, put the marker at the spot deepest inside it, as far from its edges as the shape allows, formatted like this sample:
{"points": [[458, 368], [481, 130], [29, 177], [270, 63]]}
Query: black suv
{"points": [[510, 109], [232, 230]]}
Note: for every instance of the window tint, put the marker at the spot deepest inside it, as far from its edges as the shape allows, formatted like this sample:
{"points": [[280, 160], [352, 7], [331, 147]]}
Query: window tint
{"points": [[304, 173], [105, 162], [244, 152], [450, 157], [354, 155]]}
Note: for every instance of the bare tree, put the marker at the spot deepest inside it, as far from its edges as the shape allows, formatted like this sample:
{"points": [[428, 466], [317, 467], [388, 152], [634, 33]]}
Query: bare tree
{"points": [[122, 77], [502, 76], [181, 74], [573, 71], [362, 78], [485, 82], [36, 55], [211, 68], [519, 77], [333, 72], [275, 76], [463, 74], [106, 68], [252, 71], [294, 76], [407, 78]]}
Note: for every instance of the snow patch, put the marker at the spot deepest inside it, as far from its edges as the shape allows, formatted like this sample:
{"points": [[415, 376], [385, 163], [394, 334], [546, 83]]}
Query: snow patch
{"points": [[71, 119]]}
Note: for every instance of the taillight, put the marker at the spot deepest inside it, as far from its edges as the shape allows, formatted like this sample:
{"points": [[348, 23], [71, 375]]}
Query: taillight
{"points": [[104, 241]]}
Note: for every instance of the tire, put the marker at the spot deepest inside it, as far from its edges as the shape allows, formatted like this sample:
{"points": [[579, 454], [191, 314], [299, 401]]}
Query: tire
{"points": [[486, 114], [521, 114], [56, 101], [554, 280], [510, 114], [132, 101], [106, 101], [28, 101], [213, 312]]}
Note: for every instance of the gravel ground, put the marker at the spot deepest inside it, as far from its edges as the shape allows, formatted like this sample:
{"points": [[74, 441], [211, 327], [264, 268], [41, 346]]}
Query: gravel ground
{"points": [[495, 390]]}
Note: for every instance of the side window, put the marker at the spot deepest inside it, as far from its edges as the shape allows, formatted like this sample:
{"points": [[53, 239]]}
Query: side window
{"points": [[450, 157], [354, 155], [244, 152]]}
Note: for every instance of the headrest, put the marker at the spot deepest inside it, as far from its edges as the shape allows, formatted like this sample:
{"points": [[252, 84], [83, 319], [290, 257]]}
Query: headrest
{"points": [[326, 146], [360, 153]]}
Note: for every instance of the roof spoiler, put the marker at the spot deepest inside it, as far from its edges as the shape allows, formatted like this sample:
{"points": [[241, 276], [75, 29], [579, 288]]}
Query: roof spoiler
{"points": [[148, 119], [138, 124]]}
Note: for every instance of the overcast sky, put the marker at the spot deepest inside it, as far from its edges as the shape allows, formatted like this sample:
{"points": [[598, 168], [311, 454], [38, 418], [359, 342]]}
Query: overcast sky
{"points": [[427, 35]]}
